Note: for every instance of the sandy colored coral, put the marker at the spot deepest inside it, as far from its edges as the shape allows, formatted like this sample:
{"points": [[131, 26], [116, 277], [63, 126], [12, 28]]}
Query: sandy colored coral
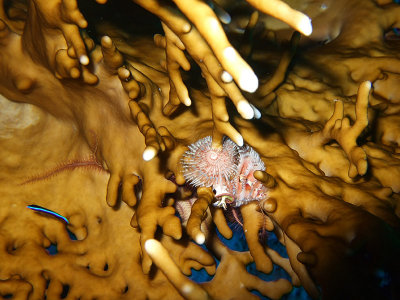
{"points": [[92, 127]]}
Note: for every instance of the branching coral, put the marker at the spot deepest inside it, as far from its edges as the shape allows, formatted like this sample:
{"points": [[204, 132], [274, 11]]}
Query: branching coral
{"points": [[339, 129], [92, 127]]}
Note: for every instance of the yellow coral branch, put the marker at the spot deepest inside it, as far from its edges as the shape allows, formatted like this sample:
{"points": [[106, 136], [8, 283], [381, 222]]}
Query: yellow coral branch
{"points": [[161, 258]]}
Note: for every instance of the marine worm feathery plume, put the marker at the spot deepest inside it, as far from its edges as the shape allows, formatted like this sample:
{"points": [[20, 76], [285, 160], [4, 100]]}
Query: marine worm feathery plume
{"points": [[228, 170], [204, 165]]}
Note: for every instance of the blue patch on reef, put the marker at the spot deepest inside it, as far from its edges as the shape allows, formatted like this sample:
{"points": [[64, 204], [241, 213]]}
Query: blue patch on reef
{"points": [[238, 243], [385, 283], [200, 276], [52, 249], [238, 240], [71, 235]]}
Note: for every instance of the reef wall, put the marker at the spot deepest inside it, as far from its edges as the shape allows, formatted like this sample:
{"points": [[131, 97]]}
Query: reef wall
{"points": [[101, 99]]}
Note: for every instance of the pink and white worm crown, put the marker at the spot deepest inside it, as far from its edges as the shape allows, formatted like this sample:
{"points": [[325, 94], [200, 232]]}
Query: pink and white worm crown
{"points": [[229, 171]]}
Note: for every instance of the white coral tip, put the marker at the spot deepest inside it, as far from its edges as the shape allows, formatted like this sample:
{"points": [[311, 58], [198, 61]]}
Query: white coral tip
{"points": [[248, 81], [245, 109], [149, 153], [151, 246], [226, 77], [200, 238], [84, 60], [187, 101], [238, 139], [305, 26], [257, 113], [187, 289]]}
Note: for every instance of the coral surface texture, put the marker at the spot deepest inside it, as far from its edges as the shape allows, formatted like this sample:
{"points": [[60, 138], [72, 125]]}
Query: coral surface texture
{"points": [[199, 149]]}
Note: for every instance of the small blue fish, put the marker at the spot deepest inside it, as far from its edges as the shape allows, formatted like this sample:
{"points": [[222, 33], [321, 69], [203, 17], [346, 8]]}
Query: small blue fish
{"points": [[47, 211]]}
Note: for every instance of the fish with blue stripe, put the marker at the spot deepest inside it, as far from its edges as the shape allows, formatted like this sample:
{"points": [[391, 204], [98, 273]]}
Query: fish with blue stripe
{"points": [[41, 209]]}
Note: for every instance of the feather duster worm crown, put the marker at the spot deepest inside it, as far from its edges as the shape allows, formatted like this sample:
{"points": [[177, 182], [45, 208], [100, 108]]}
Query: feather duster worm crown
{"points": [[204, 165], [228, 170]]}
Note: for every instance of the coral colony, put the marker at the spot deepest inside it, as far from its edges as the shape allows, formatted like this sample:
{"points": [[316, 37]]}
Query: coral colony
{"points": [[136, 135]]}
